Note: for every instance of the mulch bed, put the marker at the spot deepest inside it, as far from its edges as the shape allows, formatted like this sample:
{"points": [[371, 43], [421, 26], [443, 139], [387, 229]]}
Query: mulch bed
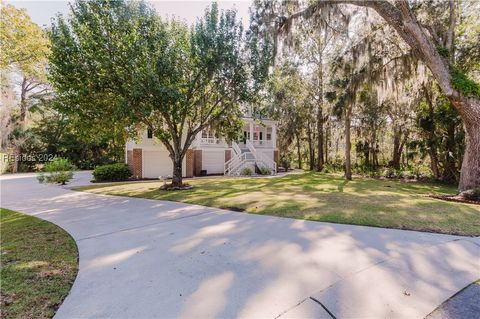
{"points": [[170, 187], [455, 198]]}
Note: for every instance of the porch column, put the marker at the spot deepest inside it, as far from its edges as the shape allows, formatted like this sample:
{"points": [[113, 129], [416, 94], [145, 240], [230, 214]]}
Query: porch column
{"points": [[251, 132], [274, 135]]}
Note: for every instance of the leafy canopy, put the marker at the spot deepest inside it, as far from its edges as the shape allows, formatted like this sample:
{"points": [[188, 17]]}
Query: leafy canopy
{"points": [[22, 42], [117, 59]]}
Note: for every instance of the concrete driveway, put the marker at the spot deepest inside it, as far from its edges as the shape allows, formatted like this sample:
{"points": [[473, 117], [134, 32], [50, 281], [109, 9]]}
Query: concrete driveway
{"points": [[144, 259]]}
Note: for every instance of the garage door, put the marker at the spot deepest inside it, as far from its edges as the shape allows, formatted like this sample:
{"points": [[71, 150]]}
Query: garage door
{"points": [[213, 161], [156, 163]]}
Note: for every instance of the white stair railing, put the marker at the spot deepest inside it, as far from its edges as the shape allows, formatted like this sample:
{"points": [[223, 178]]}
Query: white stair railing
{"points": [[236, 148], [261, 157], [240, 160], [231, 164]]}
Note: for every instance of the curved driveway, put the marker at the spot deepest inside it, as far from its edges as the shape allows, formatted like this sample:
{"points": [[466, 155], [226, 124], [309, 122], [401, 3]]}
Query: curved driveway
{"points": [[144, 259]]}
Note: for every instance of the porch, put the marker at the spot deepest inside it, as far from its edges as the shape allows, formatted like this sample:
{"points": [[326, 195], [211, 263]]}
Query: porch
{"points": [[262, 136]]}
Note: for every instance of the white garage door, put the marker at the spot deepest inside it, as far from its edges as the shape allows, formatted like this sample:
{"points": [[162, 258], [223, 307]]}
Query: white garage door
{"points": [[213, 161], [156, 163]]}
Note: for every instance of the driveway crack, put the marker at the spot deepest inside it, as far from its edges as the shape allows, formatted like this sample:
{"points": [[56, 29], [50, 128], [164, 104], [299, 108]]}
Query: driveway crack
{"points": [[324, 307], [141, 226]]}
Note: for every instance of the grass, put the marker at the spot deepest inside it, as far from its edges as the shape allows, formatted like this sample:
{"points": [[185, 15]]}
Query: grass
{"points": [[322, 197], [39, 262]]}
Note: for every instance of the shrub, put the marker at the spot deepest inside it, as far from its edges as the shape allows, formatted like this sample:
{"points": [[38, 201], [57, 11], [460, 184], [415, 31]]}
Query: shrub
{"points": [[286, 160], [399, 173], [264, 170], [472, 194], [333, 167], [463, 83], [57, 171], [246, 171], [409, 175], [112, 172], [374, 173], [389, 172]]}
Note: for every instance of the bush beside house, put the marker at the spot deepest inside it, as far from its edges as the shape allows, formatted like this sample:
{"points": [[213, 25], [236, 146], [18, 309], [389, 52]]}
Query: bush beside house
{"points": [[264, 170], [246, 171], [112, 172]]}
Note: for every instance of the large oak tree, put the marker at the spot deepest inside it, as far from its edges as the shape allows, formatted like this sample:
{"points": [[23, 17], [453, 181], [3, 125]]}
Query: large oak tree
{"points": [[119, 60], [435, 53]]}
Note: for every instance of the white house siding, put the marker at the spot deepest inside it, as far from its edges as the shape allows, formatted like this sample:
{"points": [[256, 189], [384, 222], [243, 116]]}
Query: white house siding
{"points": [[213, 160], [267, 153]]}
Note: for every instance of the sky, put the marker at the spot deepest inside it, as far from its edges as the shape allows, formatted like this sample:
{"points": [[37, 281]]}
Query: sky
{"points": [[42, 12]]}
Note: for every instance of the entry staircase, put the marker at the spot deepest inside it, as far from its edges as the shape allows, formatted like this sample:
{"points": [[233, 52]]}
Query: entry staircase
{"points": [[248, 157]]}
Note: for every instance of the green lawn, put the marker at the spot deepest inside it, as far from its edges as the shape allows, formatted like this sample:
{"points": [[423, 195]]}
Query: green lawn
{"points": [[322, 197], [39, 265]]}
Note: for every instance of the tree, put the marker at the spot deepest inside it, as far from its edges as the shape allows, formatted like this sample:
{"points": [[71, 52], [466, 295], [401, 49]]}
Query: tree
{"points": [[288, 95], [344, 101], [24, 50], [436, 53], [317, 50], [400, 117], [372, 118], [159, 75], [440, 135]]}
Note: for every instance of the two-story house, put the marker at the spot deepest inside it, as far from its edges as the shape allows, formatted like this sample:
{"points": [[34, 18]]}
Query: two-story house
{"points": [[209, 154]]}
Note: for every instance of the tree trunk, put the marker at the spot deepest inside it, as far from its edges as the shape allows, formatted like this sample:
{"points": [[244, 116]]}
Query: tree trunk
{"points": [[348, 145], [177, 154], [366, 154], [431, 137], [320, 107], [375, 156], [327, 141], [16, 155], [320, 161], [470, 173], [299, 153], [397, 151], [398, 145], [311, 149], [177, 180], [21, 122], [23, 102], [434, 163]]}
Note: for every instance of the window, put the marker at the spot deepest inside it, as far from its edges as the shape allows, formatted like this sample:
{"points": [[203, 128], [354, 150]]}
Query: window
{"points": [[208, 133], [261, 135], [149, 133], [269, 136]]}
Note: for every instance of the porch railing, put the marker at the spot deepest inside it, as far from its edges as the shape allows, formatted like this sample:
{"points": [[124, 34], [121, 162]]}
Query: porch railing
{"points": [[211, 140], [262, 143]]}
